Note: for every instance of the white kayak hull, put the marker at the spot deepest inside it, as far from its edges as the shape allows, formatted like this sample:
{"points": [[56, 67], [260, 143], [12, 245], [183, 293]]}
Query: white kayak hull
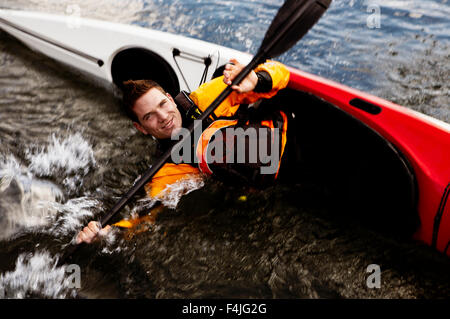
{"points": [[92, 45]]}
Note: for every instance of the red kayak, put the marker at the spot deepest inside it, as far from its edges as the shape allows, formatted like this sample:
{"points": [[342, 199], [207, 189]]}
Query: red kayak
{"points": [[407, 152]]}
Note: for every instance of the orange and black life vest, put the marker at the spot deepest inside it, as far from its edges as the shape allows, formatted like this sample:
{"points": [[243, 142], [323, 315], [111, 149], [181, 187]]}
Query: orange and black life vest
{"points": [[246, 141], [241, 156]]}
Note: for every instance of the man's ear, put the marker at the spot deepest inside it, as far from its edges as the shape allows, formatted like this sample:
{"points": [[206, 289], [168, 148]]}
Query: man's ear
{"points": [[140, 128]]}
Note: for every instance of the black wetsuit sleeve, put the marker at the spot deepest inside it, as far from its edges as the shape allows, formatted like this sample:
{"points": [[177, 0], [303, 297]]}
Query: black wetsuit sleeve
{"points": [[264, 84]]}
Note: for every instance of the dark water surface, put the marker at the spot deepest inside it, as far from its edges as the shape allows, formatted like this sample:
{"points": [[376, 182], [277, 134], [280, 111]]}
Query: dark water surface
{"points": [[67, 154]]}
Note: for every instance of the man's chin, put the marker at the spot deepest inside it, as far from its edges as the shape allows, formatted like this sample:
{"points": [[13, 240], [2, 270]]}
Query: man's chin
{"points": [[169, 134]]}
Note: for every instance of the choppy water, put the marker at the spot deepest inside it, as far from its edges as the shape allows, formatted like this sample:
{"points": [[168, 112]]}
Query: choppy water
{"points": [[67, 154]]}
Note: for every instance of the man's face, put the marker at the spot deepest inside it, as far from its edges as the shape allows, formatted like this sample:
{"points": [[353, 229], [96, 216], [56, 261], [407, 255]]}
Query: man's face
{"points": [[157, 113]]}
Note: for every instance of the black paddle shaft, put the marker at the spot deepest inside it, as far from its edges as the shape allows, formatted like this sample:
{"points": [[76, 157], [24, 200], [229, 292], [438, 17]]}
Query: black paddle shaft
{"points": [[292, 22]]}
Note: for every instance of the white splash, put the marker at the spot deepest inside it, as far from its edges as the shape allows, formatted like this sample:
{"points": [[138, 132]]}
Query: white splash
{"points": [[71, 154], [110, 242], [27, 200], [9, 169], [36, 275], [24, 201], [172, 194], [71, 215]]}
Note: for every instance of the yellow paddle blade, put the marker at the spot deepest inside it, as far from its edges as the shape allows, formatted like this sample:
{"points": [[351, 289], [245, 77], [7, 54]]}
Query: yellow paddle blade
{"points": [[124, 223]]}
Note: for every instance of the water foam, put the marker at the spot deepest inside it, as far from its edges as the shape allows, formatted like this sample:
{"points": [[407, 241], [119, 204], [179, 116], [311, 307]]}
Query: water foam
{"points": [[71, 156], [71, 215], [24, 201], [172, 194], [36, 275], [27, 200]]}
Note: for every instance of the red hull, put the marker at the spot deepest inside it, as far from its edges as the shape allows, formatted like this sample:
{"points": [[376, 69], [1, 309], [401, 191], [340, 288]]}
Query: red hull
{"points": [[425, 142]]}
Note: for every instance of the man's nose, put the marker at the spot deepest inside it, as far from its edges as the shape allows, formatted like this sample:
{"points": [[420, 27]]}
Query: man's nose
{"points": [[162, 115]]}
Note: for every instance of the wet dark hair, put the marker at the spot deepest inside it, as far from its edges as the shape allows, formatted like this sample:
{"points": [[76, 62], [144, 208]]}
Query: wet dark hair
{"points": [[132, 90]]}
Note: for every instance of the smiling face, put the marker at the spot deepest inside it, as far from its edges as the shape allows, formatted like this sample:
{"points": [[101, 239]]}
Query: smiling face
{"points": [[157, 113]]}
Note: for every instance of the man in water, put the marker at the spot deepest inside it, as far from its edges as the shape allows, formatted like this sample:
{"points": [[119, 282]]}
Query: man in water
{"points": [[155, 112]]}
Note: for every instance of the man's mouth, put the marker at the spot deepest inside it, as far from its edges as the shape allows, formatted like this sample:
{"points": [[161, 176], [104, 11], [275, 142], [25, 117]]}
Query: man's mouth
{"points": [[168, 124]]}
